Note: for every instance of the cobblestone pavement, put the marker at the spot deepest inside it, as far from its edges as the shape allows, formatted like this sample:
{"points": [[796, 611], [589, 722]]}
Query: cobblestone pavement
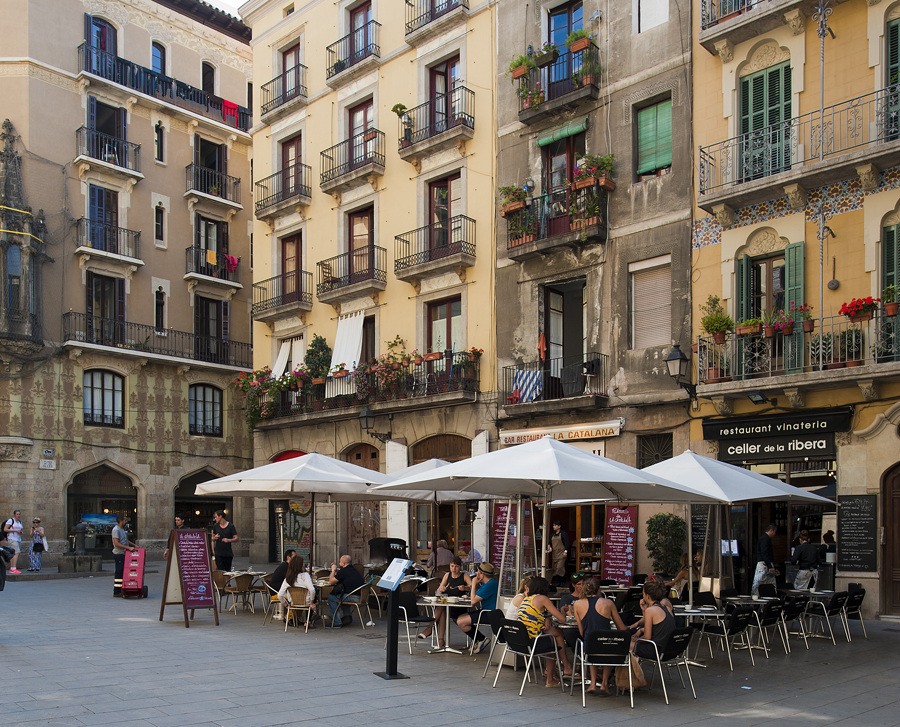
{"points": [[73, 655]]}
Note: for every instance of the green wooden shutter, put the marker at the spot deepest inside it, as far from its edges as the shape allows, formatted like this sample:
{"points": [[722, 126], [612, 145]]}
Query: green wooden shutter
{"points": [[654, 126], [766, 101], [794, 293], [893, 52], [742, 308], [890, 256]]}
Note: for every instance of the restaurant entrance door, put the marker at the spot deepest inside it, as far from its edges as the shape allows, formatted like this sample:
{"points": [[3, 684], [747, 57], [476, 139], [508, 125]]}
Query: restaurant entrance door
{"points": [[890, 585]]}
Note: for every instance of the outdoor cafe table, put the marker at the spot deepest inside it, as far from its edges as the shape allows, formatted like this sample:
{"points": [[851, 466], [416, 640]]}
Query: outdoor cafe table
{"points": [[245, 595], [433, 603]]}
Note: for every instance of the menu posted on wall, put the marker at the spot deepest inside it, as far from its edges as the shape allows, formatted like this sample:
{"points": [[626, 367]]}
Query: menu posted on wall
{"points": [[188, 574], [857, 536], [618, 544]]}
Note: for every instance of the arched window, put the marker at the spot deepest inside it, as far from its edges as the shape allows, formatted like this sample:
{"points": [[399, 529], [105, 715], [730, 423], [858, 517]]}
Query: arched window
{"points": [[14, 281], [205, 410], [103, 399], [160, 310], [158, 58], [208, 82], [159, 141]]}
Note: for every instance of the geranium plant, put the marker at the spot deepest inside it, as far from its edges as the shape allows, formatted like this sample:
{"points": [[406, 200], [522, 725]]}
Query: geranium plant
{"points": [[593, 165], [512, 193], [858, 306], [800, 312], [781, 320]]}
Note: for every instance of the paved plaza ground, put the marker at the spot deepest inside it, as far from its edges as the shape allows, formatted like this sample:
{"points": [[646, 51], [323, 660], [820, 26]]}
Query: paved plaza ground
{"points": [[73, 655]]}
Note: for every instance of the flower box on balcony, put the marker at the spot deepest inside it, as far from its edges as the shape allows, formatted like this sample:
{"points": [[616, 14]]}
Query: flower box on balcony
{"points": [[371, 135], [582, 223], [521, 241], [860, 317], [510, 207], [542, 60], [340, 374], [519, 71], [579, 45], [434, 356], [809, 326], [890, 309], [752, 329], [602, 181], [317, 381]]}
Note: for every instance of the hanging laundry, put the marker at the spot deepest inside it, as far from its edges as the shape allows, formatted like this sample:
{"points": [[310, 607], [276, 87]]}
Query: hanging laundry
{"points": [[211, 257], [231, 262]]}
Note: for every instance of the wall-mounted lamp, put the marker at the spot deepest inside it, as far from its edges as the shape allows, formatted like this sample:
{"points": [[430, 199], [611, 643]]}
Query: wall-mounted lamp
{"points": [[758, 397], [679, 368], [529, 185], [367, 424]]}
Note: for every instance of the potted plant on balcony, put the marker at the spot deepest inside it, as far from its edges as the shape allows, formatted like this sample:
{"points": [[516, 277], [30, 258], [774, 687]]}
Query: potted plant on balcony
{"points": [[749, 327], [594, 170], [578, 40], [584, 209], [520, 65], [512, 199], [851, 344], [860, 309], [716, 371], [822, 353], [783, 323], [405, 120], [803, 313], [520, 227], [889, 299], [547, 54], [416, 357], [588, 73], [340, 371], [716, 321], [318, 359], [475, 353], [435, 353]]}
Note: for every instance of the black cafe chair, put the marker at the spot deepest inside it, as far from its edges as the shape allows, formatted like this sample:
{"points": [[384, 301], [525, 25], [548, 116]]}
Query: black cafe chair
{"points": [[410, 615], [495, 619], [519, 642], [794, 612], [770, 617], [853, 609], [603, 648], [734, 627], [674, 653], [825, 613]]}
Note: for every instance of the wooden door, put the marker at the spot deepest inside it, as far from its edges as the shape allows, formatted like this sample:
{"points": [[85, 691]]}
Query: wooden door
{"points": [[890, 583], [363, 518]]}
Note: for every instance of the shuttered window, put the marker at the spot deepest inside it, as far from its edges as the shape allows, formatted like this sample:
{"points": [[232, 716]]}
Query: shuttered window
{"points": [[654, 130], [766, 107], [893, 52], [651, 302], [890, 256]]}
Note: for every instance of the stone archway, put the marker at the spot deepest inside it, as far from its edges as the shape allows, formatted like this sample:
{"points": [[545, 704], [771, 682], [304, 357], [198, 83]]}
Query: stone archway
{"points": [[197, 511], [97, 496]]}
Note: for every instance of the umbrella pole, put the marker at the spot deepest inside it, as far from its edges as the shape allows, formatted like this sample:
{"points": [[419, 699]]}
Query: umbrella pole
{"points": [[520, 553], [545, 538], [690, 562]]}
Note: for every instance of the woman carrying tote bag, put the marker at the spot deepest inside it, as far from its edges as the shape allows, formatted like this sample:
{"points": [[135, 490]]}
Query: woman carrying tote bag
{"points": [[38, 545]]}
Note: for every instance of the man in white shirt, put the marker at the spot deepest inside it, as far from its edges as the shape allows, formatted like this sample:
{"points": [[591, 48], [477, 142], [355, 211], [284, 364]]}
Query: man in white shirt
{"points": [[12, 529]]}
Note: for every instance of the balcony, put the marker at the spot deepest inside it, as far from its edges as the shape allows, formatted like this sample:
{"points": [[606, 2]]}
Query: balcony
{"points": [[426, 18], [841, 353], [287, 190], [283, 296], [283, 93], [564, 218], [861, 136], [445, 121], [163, 88], [352, 275], [352, 162], [212, 270], [102, 151], [452, 380], [212, 186], [109, 245], [139, 339], [570, 80], [353, 55], [437, 248], [561, 384]]}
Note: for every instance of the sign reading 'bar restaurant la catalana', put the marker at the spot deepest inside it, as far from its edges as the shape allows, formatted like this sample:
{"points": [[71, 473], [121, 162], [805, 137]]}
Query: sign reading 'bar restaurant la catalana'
{"points": [[778, 438], [595, 430]]}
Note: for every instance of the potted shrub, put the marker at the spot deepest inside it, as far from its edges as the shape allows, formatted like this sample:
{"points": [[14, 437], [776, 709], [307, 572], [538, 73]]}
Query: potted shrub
{"points": [[512, 199], [860, 309], [666, 538], [749, 327], [584, 209], [578, 40], [318, 359], [475, 353], [804, 314], [715, 320], [889, 299], [588, 72], [547, 54], [594, 170], [520, 65]]}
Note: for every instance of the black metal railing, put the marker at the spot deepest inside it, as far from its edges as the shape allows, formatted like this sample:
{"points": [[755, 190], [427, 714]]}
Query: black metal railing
{"points": [[452, 373], [556, 378], [131, 75], [839, 344], [357, 266], [557, 213], [870, 119], [440, 114], [109, 149], [284, 88], [107, 238], [420, 13], [364, 148], [113, 333], [565, 75], [216, 184], [353, 48], [213, 264], [293, 287], [98, 419], [434, 242], [713, 11], [292, 181], [205, 430]]}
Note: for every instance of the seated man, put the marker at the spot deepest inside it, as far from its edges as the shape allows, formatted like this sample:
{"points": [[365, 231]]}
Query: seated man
{"points": [[441, 555], [345, 579], [483, 596], [566, 601], [470, 554], [277, 578]]}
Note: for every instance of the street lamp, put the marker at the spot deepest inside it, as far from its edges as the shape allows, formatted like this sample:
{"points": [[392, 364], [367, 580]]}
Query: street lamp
{"points": [[280, 510], [679, 368], [367, 424]]}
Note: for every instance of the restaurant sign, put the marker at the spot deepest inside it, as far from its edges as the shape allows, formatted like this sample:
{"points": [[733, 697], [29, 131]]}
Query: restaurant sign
{"points": [[598, 430]]}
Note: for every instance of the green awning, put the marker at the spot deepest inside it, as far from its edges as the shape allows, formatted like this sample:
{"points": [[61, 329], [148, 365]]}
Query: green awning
{"points": [[570, 129]]}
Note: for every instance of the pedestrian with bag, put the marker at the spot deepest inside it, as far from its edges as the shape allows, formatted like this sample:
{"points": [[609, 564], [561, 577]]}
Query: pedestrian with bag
{"points": [[38, 545], [121, 543], [12, 530]]}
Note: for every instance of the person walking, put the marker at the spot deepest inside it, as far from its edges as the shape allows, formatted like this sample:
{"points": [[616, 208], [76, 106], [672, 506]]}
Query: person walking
{"points": [[12, 529], [37, 545], [224, 534], [559, 548], [765, 565], [121, 543]]}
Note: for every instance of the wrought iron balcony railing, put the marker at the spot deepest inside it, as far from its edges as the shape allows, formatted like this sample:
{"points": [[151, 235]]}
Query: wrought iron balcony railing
{"points": [[842, 343], [211, 182], [212, 264], [284, 88], [870, 119], [131, 75], [556, 213], [567, 74], [138, 337], [434, 242], [293, 287], [345, 53], [357, 266], [556, 378], [440, 114], [420, 13], [106, 238], [97, 145], [713, 11], [354, 153], [292, 181]]}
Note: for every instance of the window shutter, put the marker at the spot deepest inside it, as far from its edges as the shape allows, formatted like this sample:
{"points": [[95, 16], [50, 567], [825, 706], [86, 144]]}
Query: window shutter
{"points": [[890, 256], [651, 305], [197, 149], [664, 134], [120, 300], [225, 320], [223, 237], [88, 24], [121, 127], [92, 113], [89, 284], [743, 289], [893, 52], [647, 140], [794, 293]]}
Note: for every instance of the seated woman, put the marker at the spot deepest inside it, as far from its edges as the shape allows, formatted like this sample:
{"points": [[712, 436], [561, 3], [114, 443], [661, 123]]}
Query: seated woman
{"points": [[593, 612], [513, 608], [454, 583], [658, 622], [297, 577], [534, 612], [678, 583]]}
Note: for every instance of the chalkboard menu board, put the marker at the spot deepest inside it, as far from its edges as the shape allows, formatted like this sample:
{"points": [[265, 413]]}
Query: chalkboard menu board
{"points": [[857, 536], [619, 542], [188, 575], [699, 518]]}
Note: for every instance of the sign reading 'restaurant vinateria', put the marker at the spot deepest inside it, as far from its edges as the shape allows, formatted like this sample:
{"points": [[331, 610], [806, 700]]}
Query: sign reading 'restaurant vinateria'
{"points": [[596, 430]]}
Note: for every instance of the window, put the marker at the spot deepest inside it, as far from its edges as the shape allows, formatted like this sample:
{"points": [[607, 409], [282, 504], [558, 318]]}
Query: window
{"points": [[369, 345], [205, 410], [887, 344], [653, 449], [158, 148], [292, 268], [14, 281], [289, 10], [444, 78], [103, 399], [651, 302], [158, 58], [765, 101], [211, 327], [360, 119], [361, 33], [444, 203], [891, 119], [159, 317], [105, 309], [361, 244], [290, 68], [210, 168], [291, 159], [100, 47], [159, 220], [563, 21], [445, 325], [208, 78], [651, 13], [654, 138], [559, 167], [564, 325]]}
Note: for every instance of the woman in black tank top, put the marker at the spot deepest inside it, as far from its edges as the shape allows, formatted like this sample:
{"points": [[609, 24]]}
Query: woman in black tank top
{"points": [[659, 623], [596, 613], [455, 583]]}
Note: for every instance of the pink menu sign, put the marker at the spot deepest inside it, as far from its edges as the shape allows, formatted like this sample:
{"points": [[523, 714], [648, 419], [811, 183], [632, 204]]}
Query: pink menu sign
{"points": [[618, 544]]}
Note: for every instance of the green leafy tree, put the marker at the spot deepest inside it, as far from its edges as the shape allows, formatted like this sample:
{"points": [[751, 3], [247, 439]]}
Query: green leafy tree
{"points": [[318, 357], [666, 539]]}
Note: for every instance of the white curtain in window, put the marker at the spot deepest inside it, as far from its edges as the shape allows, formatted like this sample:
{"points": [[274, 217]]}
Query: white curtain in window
{"points": [[281, 360], [347, 350]]}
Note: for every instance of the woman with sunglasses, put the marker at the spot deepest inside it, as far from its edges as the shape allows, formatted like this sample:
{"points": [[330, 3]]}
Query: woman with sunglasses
{"points": [[37, 545]]}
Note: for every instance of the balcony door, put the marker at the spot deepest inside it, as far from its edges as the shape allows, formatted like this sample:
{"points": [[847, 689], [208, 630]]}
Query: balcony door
{"points": [[360, 120], [106, 133], [291, 177], [560, 166], [445, 332], [210, 245], [103, 219], [444, 201], [360, 32], [100, 40], [564, 332], [361, 245], [105, 309], [444, 78], [765, 100], [563, 21], [291, 267], [210, 329], [290, 74]]}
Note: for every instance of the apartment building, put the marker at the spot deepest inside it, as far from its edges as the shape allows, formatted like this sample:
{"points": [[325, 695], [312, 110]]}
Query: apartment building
{"points": [[373, 155], [797, 212], [125, 261]]}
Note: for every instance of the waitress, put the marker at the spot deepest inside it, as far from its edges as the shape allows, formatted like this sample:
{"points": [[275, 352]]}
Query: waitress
{"points": [[559, 549]]}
